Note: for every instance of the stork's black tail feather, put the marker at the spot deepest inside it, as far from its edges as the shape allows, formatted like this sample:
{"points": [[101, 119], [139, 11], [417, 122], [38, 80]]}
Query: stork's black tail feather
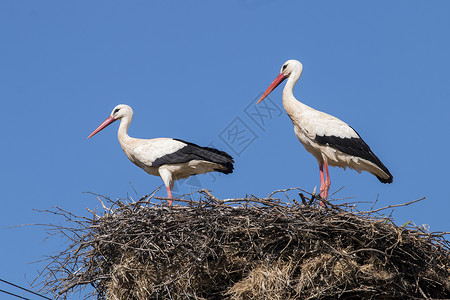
{"points": [[384, 180], [209, 154]]}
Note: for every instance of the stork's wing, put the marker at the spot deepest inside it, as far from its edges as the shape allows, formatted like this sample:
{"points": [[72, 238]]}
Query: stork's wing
{"points": [[149, 151], [330, 131], [175, 151]]}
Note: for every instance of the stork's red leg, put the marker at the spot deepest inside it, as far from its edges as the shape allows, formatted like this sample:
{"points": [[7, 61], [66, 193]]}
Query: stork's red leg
{"points": [[322, 185], [169, 195], [327, 181], [322, 181]]}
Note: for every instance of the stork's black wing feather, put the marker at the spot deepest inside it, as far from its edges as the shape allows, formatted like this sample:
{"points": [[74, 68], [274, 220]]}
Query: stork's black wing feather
{"points": [[195, 152], [357, 147]]}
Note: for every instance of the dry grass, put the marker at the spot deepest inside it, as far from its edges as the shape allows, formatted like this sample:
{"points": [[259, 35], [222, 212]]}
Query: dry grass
{"points": [[248, 248]]}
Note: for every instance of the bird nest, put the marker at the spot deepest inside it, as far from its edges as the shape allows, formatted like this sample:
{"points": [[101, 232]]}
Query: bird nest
{"points": [[250, 248]]}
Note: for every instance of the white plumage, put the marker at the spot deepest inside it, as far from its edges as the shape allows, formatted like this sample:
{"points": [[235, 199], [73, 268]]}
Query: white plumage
{"points": [[171, 159], [330, 140]]}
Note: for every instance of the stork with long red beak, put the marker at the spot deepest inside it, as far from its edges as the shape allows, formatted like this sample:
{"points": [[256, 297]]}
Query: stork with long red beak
{"points": [[331, 141], [171, 159]]}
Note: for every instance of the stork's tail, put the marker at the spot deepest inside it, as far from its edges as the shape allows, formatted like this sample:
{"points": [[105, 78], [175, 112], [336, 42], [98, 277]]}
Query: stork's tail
{"points": [[386, 180], [222, 158]]}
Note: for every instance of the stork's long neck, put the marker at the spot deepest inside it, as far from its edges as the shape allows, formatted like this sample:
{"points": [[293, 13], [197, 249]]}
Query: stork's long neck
{"points": [[122, 134], [291, 104]]}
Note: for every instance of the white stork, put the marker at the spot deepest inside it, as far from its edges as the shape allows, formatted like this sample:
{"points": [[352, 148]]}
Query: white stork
{"points": [[171, 159], [330, 140]]}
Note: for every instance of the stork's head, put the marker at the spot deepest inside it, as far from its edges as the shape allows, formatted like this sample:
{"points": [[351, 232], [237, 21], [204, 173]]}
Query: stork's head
{"points": [[119, 112], [291, 67]]}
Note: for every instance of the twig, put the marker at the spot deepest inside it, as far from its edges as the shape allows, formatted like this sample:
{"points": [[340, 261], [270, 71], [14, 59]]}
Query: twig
{"points": [[392, 206]]}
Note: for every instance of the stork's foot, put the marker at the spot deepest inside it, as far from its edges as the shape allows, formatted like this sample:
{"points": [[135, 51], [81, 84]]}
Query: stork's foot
{"points": [[323, 196], [314, 196], [322, 203]]}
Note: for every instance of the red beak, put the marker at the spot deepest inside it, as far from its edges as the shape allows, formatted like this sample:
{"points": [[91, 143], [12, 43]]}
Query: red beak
{"points": [[272, 86], [105, 123]]}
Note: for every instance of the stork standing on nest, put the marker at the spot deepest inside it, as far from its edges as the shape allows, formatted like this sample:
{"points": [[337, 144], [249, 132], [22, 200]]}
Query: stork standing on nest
{"points": [[171, 159], [330, 140]]}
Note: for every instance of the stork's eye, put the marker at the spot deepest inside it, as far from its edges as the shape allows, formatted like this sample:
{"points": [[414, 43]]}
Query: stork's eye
{"points": [[116, 110], [284, 67]]}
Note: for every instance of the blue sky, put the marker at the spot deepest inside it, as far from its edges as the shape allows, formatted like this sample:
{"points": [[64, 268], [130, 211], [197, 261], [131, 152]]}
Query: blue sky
{"points": [[192, 70]]}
